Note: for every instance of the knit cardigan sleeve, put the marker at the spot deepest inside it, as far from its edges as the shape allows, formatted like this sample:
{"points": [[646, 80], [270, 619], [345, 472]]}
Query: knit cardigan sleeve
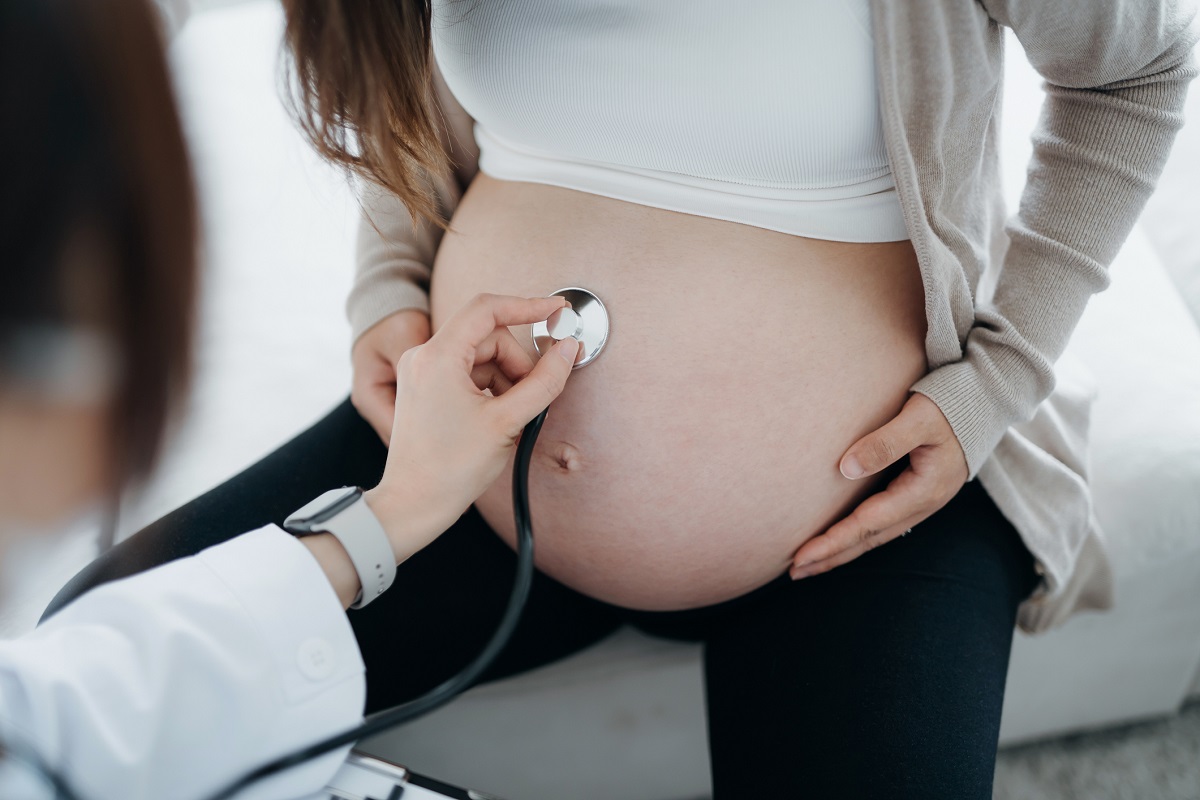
{"points": [[394, 254], [1116, 75]]}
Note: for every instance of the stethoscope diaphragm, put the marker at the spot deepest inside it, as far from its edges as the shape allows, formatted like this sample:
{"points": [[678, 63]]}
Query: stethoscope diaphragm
{"points": [[586, 319]]}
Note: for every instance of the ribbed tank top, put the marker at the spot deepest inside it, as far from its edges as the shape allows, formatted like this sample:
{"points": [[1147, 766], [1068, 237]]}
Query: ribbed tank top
{"points": [[758, 112]]}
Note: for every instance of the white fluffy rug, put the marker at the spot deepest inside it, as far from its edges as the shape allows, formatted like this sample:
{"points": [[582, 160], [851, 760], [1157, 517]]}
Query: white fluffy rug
{"points": [[1157, 760]]}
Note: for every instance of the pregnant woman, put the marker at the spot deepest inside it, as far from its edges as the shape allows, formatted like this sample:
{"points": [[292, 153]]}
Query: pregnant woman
{"points": [[787, 209]]}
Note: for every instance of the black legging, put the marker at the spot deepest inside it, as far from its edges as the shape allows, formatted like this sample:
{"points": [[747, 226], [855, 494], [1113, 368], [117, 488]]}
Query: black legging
{"points": [[881, 678]]}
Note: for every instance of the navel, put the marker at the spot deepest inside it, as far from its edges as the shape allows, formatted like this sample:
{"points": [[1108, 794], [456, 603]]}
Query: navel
{"points": [[563, 457]]}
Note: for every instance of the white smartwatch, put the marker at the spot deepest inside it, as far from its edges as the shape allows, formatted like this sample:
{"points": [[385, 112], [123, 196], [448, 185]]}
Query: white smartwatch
{"points": [[344, 513]]}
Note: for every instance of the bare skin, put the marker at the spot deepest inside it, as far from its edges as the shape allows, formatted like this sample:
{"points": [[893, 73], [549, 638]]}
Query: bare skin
{"points": [[690, 461]]}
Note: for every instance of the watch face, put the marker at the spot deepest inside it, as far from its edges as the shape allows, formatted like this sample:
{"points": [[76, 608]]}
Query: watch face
{"points": [[322, 509]]}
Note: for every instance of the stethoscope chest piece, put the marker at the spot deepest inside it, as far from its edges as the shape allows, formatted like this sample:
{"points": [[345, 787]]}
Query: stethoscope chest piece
{"points": [[586, 320]]}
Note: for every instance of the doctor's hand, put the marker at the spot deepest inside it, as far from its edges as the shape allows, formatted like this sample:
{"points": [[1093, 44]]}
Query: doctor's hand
{"points": [[937, 469], [450, 440]]}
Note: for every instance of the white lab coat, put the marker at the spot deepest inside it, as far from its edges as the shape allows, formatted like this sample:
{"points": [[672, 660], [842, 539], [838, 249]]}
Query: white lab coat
{"points": [[172, 682]]}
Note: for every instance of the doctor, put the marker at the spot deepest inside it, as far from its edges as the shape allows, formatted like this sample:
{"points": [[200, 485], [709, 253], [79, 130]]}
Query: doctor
{"points": [[170, 683]]}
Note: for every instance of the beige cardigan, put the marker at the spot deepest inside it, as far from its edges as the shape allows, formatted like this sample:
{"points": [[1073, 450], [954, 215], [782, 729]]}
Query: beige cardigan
{"points": [[1002, 296]]}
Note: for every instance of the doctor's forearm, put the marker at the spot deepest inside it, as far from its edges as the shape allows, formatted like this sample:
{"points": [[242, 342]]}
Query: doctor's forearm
{"points": [[409, 524], [336, 564]]}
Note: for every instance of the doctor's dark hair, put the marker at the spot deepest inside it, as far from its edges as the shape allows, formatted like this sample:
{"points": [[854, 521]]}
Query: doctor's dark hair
{"points": [[98, 221], [361, 91]]}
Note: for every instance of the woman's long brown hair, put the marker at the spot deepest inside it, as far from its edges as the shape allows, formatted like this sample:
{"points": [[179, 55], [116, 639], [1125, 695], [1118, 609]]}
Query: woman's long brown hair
{"points": [[361, 90]]}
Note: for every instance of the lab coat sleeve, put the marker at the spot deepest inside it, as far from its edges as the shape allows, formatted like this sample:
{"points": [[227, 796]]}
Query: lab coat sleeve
{"points": [[172, 682]]}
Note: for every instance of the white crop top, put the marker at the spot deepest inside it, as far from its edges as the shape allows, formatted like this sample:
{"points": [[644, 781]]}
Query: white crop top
{"points": [[762, 112]]}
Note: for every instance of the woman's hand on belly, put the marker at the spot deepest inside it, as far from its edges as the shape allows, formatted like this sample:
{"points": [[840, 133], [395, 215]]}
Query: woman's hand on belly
{"points": [[937, 469], [374, 358]]}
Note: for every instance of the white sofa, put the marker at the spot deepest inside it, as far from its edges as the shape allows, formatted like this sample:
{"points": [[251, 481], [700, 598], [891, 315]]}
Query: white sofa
{"points": [[625, 718]]}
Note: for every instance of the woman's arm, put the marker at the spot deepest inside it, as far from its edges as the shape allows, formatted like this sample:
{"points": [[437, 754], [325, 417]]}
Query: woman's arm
{"points": [[393, 264], [1117, 73], [394, 258]]}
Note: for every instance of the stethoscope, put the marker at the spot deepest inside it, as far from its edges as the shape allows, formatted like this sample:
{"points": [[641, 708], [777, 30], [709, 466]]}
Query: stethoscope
{"points": [[587, 320]]}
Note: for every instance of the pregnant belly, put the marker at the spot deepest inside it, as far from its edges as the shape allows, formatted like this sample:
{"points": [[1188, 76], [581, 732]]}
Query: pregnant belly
{"points": [[686, 464]]}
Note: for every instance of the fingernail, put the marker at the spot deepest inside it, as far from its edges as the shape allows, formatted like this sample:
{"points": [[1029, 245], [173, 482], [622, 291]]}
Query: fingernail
{"points": [[797, 574], [568, 348], [851, 468]]}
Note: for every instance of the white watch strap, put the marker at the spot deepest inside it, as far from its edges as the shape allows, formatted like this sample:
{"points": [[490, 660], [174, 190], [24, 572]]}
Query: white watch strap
{"points": [[370, 550]]}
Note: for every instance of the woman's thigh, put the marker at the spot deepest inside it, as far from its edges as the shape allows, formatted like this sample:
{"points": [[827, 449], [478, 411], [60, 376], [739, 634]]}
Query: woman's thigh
{"points": [[446, 600], [883, 677]]}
